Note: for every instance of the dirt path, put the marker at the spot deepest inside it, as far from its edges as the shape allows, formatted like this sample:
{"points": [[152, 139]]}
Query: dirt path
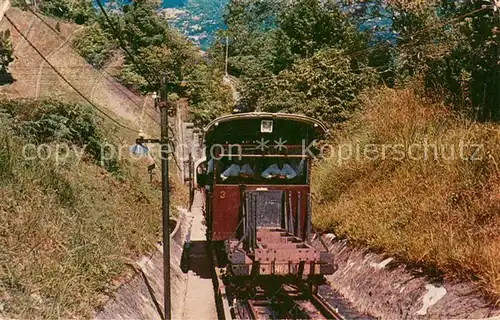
{"points": [[232, 83]]}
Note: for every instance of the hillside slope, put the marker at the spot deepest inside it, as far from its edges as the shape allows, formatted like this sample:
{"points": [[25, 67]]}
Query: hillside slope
{"points": [[70, 226], [35, 79], [410, 178]]}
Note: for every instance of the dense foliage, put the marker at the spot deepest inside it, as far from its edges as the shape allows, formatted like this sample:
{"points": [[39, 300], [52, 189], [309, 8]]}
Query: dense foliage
{"points": [[94, 45], [208, 98], [306, 56], [282, 53], [469, 72], [52, 121], [292, 56], [151, 47], [413, 192], [323, 86], [78, 11], [68, 228], [454, 46], [151, 50]]}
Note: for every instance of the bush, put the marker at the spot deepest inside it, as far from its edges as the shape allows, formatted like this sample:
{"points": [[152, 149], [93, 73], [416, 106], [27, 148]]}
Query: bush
{"points": [[50, 121], [209, 98], [78, 11], [292, 56], [6, 159], [67, 229], [94, 45], [154, 47], [324, 86]]}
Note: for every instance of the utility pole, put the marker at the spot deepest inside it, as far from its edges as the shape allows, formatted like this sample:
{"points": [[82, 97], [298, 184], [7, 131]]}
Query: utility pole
{"points": [[162, 103], [165, 194], [496, 30]]}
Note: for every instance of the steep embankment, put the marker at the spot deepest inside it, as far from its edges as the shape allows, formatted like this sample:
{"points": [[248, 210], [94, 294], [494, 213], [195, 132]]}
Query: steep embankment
{"points": [[34, 78], [73, 214], [411, 179]]}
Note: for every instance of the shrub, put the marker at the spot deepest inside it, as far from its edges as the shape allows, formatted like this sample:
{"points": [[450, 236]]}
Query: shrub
{"points": [[324, 86], [94, 45], [54, 121], [68, 229], [78, 11], [209, 98]]}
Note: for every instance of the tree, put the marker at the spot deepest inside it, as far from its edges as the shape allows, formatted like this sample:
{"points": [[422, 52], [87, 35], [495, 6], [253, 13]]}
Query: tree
{"points": [[471, 71], [452, 45], [276, 49], [311, 25], [324, 86], [208, 97], [94, 45], [153, 48]]}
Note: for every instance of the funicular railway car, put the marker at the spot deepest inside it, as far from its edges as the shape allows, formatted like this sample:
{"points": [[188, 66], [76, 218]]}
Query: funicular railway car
{"points": [[257, 189]]}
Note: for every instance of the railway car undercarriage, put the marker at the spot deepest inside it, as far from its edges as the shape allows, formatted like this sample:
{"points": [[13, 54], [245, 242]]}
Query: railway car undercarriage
{"points": [[270, 242], [278, 253]]}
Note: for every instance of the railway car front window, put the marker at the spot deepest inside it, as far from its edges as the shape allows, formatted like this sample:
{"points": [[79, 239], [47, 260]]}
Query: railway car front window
{"points": [[262, 171]]}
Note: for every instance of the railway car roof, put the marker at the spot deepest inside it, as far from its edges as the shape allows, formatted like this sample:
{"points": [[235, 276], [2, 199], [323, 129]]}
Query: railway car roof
{"points": [[319, 126]]}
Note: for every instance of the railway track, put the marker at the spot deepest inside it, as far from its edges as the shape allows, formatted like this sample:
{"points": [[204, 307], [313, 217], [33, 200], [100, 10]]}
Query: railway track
{"points": [[286, 303], [313, 308]]}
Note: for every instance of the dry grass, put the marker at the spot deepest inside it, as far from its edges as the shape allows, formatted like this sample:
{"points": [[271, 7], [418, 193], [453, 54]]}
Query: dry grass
{"points": [[68, 231], [440, 213]]}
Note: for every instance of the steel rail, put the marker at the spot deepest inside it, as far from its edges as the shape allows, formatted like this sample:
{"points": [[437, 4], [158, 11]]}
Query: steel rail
{"points": [[325, 309], [317, 301]]}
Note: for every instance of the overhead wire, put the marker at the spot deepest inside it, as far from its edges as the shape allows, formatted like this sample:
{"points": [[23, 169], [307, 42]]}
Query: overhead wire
{"points": [[438, 25], [350, 55], [141, 70], [59, 75], [88, 66], [64, 79], [104, 73]]}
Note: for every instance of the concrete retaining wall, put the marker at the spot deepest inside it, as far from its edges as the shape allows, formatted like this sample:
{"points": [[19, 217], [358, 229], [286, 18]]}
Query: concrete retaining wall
{"points": [[142, 296], [378, 286]]}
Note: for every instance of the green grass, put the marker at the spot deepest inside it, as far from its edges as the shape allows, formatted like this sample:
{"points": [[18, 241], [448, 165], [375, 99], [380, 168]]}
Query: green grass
{"points": [[68, 230], [437, 213]]}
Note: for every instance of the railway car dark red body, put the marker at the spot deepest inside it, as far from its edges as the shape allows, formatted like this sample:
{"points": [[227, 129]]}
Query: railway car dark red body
{"points": [[263, 213]]}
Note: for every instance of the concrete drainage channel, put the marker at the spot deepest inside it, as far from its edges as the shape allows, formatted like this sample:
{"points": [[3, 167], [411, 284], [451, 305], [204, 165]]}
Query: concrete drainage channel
{"points": [[142, 296], [375, 284]]}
